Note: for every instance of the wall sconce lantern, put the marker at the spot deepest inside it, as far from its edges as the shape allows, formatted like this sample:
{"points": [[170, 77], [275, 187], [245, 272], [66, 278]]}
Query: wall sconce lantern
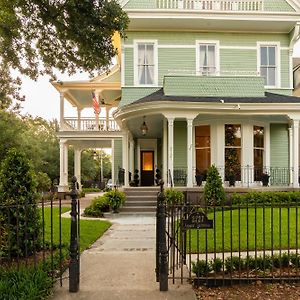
{"points": [[144, 127]]}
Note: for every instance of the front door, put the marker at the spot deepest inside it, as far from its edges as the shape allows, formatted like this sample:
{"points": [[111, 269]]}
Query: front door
{"points": [[147, 168]]}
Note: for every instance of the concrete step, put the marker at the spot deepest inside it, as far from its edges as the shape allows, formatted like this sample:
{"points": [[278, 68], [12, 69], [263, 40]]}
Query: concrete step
{"points": [[143, 193], [141, 209], [140, 203], [140, 198]]}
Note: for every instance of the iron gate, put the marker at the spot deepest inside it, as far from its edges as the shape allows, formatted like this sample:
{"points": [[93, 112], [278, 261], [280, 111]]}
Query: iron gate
{"points": [[230, 243]]}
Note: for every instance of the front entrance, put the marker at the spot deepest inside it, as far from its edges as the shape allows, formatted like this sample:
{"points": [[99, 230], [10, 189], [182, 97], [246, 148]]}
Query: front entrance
{"points": [[147, 168]]}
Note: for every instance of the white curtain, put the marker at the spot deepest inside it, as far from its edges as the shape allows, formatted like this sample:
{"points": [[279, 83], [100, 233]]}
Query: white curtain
{"points": [[207, 59], [146, 63]]}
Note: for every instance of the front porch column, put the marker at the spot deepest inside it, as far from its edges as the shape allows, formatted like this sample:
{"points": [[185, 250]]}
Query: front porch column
{"points": [[291, 154], [63, 171], [295, 126], [97, 124], [165, 152], [107, 127], [131, 157], [189, 152], [77, 165], [170, 150], [78, 118], [125, 158], [62, 109], [113, 161]]}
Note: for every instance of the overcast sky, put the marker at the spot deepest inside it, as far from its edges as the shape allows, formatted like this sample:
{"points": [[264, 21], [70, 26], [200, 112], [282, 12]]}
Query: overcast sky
{"points": [[43, 100]]}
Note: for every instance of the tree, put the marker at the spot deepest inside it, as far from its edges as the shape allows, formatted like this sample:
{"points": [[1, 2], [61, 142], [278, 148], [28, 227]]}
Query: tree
{"points": [[18, 207], [64, 34], [214, 193]]}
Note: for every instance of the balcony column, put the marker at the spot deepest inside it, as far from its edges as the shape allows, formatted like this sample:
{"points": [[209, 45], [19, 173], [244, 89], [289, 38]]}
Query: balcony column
{"points": [[77, 165], [165, 152], [97, 127], [107, 127], [63, 170], [189, 152], [62, 109], [78, 119], [295, 126], [291, 154], [113, 161], [125, 157], [170, 150], [131, 157]]}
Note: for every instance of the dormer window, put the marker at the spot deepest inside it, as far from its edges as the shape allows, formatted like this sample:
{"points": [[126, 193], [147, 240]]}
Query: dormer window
{"points": [[145, 63], [207, 58]]}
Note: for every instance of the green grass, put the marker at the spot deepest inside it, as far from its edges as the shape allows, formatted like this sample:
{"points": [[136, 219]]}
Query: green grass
{"points": [[266, 234], [90, 230]]}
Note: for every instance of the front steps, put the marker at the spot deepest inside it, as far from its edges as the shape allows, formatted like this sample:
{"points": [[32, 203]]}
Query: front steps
{"points": [[140, 200]]}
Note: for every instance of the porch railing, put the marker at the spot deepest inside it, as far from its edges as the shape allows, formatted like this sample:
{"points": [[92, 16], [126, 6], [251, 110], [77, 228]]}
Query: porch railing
{"points": [[220, 5], [90, 124]]}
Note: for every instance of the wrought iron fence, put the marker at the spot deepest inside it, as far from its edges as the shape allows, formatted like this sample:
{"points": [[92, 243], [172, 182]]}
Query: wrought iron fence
{"points": [[233, 243]]}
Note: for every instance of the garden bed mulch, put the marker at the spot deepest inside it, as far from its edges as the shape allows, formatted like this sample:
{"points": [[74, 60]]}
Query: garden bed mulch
{"points": [[256, 290]]}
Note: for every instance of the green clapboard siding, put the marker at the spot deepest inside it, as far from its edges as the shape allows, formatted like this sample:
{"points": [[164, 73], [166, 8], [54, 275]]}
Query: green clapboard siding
{"points": [[279, 144], [226, 39], [269, 5], [281, 92], [131, 94], [128, 70], [214, 86], [180, 145], [285, 79], [117, 157]]}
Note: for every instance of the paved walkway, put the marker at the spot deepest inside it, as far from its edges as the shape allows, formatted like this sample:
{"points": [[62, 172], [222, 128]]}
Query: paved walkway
{"points": [[121, 264]]}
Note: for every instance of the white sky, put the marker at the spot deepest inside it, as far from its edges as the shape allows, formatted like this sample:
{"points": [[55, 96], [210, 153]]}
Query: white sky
{"points": [[42, 99]]}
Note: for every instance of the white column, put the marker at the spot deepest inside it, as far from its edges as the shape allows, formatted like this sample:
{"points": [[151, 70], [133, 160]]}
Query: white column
{"points": [[107, 127], [165, 152], [131, 157], [66, 163], [62, 110], [296, 152], [63, 170], [78, 119], [97, 115], [170, 149], [125, 157], [77, 165], [189, 152], [61, 163], [113, 161], [291, 154]]}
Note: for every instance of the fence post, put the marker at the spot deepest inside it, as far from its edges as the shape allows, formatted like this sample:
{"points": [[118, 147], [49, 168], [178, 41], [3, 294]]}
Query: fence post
{"points": [[162, 246], [74, 251]]}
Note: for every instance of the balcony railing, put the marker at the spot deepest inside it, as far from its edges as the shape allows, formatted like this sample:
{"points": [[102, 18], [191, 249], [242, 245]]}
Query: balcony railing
{"points": [[221, 5], [90, 124]]}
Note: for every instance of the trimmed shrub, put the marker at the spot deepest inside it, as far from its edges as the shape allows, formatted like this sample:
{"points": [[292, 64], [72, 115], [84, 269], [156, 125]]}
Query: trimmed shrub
{"points": [[201, 268], [98, 206], [18, 206], [174, 196], [214, 193], [216, 264]]}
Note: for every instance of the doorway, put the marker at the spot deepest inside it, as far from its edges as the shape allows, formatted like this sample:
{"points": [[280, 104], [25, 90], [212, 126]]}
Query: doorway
{"points": [[147, 168]]}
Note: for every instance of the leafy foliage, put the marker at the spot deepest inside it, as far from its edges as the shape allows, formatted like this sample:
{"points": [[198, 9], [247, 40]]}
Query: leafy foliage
{"points": [[18, 208], [115, 199], [98, 206], [65, 34], [174, 196], [214, 193]]}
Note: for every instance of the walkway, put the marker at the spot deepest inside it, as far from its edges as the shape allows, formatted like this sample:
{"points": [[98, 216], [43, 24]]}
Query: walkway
{"points": [[121, 264]]}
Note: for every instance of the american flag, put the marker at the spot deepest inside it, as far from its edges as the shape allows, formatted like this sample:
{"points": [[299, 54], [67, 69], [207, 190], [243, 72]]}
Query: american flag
{"points": [[96, 105]]}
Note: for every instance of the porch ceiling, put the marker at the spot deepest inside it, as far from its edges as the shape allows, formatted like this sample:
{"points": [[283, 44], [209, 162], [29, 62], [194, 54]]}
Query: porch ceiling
{"points": [[153, 122]]}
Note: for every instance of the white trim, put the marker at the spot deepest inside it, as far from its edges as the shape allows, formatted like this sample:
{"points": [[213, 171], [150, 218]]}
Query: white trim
{"points": [[217, 54], [278, 61], [294, 4], [122, 66], [135, 62]]}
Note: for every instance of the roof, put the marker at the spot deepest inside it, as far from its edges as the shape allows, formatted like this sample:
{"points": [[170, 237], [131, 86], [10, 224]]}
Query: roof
{"points": [[268, 98]]}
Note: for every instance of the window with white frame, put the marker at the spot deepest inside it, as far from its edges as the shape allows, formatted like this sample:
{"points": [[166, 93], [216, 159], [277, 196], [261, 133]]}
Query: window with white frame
{"points": [[146, 63], [207, 59], [268, 65]]}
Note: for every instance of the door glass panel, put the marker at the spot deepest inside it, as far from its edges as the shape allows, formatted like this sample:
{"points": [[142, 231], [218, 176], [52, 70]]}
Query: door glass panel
{"points": [[147, 161]]}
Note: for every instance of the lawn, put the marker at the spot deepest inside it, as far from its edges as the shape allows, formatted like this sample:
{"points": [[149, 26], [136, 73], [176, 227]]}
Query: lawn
{"points": [[90, 230], [256, 229]]}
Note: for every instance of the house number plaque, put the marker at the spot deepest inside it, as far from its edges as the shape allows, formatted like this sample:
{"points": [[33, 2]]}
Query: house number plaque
{"points": [[197, 220]]}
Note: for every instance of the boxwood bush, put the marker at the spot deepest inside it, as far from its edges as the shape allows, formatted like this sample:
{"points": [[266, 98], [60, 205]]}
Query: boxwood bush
{"points": [[98, 206], [174, 196]]}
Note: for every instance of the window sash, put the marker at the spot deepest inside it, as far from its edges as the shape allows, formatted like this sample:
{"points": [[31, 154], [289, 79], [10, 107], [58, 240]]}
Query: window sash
{"points": [[207, 59], [146, 64], [268, 67]]}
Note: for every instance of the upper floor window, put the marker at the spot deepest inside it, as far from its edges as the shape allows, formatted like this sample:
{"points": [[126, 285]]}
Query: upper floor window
{"points": [[145, 63], [268, 64], [207, 58]]}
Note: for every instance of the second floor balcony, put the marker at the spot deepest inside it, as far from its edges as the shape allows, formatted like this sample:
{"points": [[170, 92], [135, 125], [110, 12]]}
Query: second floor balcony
{"points": [[214, 5], [89, 124]]}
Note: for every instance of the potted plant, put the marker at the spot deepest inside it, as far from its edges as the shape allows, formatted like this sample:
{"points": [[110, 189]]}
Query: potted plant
{"points": [[157, 176], [199, 178], [265, 179], [115, 199], [231, 178], [136, 177]]}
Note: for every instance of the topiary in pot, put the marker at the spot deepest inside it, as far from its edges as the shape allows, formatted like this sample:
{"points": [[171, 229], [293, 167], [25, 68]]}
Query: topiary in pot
{"points": [[136, 177], [115, 199]]}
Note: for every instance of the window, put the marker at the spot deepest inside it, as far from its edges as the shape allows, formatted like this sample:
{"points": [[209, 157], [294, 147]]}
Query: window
{"points": [[145, 68], [268, 64], [207, 59], [258, 149], [202, 142], [233, 149]]}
